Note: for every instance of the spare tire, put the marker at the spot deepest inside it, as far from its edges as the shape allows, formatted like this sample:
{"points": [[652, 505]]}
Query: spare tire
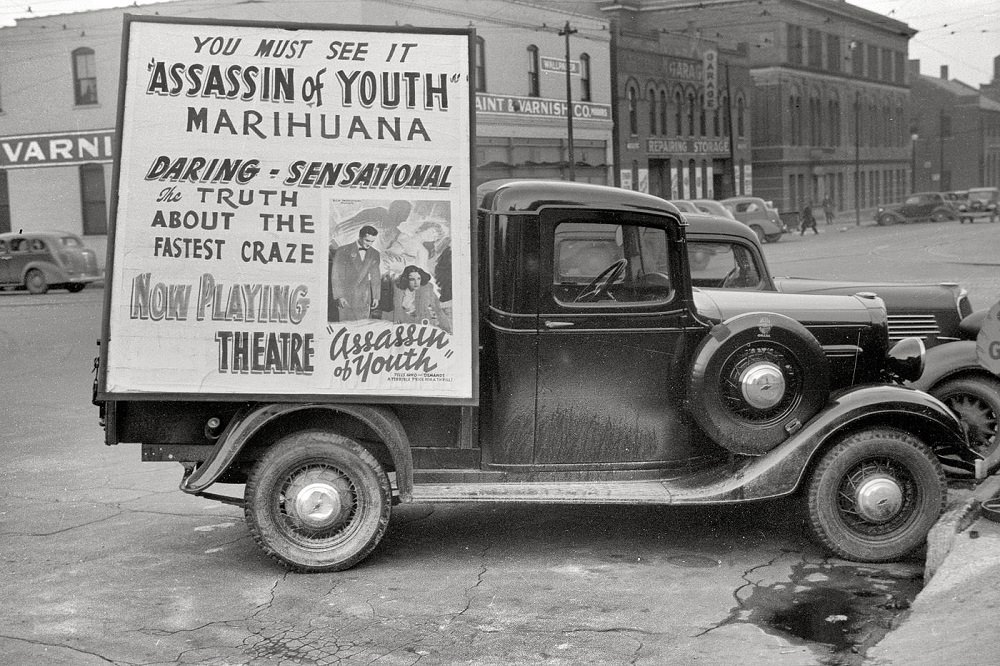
{"points": [[756, 379]]}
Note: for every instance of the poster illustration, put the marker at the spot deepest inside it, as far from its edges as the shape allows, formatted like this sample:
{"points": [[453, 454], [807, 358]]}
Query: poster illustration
{"points": [[293, 213]]}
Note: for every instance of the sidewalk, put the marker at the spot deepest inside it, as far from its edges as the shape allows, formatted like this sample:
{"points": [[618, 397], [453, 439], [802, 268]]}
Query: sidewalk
{"points": [[956, 618]]}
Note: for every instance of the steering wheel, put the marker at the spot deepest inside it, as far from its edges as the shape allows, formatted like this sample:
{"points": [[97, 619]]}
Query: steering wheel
{"points": [[600, 284], [733, 279]]}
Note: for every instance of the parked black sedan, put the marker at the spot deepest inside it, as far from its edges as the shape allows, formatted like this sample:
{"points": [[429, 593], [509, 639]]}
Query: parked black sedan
{"points": [[727, 255]]}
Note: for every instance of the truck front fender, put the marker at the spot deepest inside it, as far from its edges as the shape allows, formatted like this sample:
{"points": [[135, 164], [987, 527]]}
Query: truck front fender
{"points": [[781, 471], [248, 423]]}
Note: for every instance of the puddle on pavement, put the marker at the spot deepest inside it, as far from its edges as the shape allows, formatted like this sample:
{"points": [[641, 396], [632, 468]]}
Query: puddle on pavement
{"points": [[846, 608]]}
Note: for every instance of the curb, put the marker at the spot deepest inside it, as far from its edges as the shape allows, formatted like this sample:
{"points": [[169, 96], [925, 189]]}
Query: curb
{"points": [[954, 521]]}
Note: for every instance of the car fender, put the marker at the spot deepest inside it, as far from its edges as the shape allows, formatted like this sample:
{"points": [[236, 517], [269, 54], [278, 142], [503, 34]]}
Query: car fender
{"points": [[53, 274], [945, 361], [780, 471], [248, 423]]}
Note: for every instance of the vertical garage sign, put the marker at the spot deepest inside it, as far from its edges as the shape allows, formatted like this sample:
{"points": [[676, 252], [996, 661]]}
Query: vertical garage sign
{"points": [[293, 212]]}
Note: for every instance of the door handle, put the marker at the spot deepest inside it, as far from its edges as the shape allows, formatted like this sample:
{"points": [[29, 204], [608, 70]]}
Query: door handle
{"points": [[558, 324]]}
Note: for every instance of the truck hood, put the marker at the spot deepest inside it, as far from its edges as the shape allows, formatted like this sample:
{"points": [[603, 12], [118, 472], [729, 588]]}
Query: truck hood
{"points": [[897, 295]]}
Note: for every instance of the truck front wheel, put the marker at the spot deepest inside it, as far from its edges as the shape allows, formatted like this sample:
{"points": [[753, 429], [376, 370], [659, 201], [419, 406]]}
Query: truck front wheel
{"points": [[874, 496], [317, 501]]}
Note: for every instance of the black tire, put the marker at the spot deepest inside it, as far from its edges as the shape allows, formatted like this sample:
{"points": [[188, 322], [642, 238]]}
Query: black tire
{"points": [[756, 228], [772, 238], [332, 473], [75, 288], [35, 282], [756, 379], [886, 220], [875, 495], [940, 216], [976, 402]]}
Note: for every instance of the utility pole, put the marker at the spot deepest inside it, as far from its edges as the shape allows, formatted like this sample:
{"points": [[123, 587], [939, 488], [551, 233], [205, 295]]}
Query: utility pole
{"points": [[566, 32], [857, 158], [941, 150], [729, 130]]}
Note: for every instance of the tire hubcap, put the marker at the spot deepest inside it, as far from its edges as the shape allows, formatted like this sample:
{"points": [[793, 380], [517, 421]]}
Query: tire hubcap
{"points": [[319, 500], [879, 498], [762, 385]]}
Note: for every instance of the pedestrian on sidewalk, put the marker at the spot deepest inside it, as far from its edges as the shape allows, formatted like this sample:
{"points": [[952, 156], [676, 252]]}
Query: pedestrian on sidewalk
{"points": [[808, 220], [828, 209]]}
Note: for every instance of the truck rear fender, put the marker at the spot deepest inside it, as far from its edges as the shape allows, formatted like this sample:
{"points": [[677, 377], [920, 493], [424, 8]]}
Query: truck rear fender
{"points": [[782, 470], [376, 428]]}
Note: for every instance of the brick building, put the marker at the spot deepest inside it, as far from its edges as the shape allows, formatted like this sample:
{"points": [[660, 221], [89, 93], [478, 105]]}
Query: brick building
{"points": [[828, 110], [59, 85], [956, 134]]}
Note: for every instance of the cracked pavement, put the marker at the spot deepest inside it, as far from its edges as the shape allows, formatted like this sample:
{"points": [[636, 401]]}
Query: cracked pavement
{"points": [[106, 562]]}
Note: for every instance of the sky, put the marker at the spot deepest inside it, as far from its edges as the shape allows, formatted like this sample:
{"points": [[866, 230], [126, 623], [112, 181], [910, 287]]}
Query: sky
{"points": [[963, 34]]}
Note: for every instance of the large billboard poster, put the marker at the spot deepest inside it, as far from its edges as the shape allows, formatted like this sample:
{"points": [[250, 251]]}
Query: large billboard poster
{"points": [[293, 212]]}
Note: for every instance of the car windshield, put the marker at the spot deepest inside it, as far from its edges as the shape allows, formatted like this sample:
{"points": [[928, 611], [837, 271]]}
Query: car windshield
{"points": [[722, 265], [982, 195], [70, 241]]}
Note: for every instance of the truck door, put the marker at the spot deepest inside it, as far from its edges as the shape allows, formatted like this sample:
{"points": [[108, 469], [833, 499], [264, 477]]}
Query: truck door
{"points": [[613, 335]]}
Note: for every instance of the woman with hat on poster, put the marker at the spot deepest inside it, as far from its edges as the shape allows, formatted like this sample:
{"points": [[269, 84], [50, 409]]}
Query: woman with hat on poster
{"points": [[416, 301]]}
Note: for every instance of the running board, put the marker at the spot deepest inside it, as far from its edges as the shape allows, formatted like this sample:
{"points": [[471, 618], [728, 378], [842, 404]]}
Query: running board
{"points": [[575, 492]]}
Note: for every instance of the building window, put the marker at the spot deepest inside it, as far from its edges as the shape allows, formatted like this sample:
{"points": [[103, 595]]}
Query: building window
{"points": [[664, 124], [4, 203], [795, 45], [92, 200], [872, 61], [585, 94], [678, 114], [84, 77], [690, 107], [651, 94], [815, 48], [740, 117], [715, 120], [857, 58], [533, 82], [833, 56], [900, 71], [633, 112], [834, 123], [702, 124], [886, 65], [727, 125], [945, 126], [480, 64]]}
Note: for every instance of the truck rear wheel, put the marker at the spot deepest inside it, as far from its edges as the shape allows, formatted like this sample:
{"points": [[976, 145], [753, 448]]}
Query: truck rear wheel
{"points": [[874, 496], [317, 501]]}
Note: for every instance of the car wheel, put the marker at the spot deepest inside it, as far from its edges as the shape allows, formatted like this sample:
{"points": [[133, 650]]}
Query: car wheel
{"points": [[976, 402], [75, 288], [885, 220], [756, 379], [772, 238], [317, 501], [875, 495], [761, 237], [35, 282], [939, 216]]}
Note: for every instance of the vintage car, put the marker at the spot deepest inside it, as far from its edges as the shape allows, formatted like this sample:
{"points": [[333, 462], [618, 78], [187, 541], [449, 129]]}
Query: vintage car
{"points": [[725, 256], [979, 203], [40, 260], [762, 219], [919, 207], [711, 207]]}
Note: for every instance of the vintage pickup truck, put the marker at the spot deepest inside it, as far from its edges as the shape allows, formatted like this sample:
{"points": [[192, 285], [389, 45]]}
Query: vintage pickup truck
{"points": [[603, 377]]}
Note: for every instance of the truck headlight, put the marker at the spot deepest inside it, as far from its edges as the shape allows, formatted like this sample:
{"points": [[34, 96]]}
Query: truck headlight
{"points": [[906, 359]]}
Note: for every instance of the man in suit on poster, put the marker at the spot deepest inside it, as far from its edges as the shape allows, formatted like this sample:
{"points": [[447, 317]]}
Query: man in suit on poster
{"points": [[355, 277]]}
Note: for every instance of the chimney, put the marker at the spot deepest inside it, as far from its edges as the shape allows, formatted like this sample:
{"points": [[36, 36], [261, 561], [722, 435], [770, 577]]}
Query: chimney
{"points": [[944, 72]]}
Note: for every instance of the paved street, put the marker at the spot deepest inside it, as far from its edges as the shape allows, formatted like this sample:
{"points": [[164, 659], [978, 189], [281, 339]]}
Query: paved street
{"points": [[105, 561]]}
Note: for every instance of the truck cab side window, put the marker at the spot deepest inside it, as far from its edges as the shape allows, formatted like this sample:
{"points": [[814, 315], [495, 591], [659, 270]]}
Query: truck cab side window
{"points": [[610, 264]]}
